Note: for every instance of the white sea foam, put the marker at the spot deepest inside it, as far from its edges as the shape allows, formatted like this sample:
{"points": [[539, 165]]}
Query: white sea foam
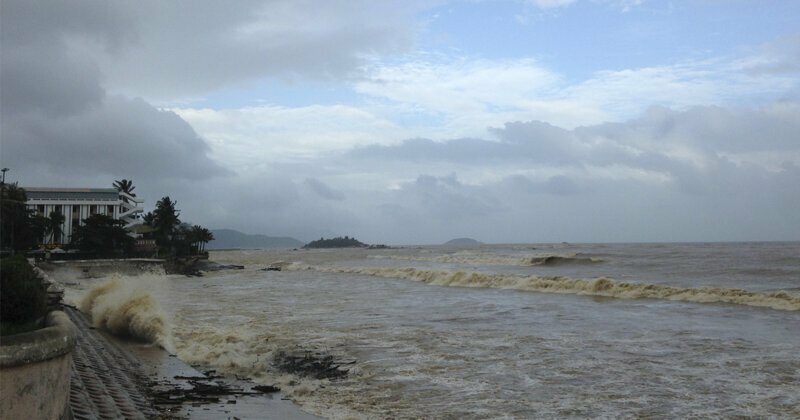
{"points": [[124, 306], [557, 284], [471, 258]]}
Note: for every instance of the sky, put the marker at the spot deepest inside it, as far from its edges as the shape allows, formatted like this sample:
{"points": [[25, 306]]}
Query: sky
{"points": [[415, 122]]}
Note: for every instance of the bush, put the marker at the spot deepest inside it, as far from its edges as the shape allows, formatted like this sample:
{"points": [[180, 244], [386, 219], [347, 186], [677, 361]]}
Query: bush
{"points": [[23, 296]]}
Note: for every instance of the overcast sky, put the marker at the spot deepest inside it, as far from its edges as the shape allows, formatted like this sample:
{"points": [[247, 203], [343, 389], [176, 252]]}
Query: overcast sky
{"points": [[413, 122]]}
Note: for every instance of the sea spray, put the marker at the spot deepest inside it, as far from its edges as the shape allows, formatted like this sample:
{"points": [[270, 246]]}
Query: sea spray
{"points": [[124, 306], [557, 284], [246, 351]]}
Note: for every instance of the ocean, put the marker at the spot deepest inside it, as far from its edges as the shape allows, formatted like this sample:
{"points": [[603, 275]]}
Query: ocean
{"points": [[496, 331]]}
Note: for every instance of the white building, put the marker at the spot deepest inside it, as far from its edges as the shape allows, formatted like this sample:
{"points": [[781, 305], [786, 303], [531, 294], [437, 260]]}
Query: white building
{"points": [[77, 204]]}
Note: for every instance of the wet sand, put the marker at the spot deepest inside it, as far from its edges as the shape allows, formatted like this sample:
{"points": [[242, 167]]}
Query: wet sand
{"points": [[114, 378]]}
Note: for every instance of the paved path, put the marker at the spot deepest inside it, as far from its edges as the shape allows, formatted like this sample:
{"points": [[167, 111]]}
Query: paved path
{"points": [[107, 382], [115, 379]]}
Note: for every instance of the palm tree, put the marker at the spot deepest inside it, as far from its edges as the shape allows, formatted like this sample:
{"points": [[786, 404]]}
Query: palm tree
{"points": [[200, 236], [206, 237], [149, 219], [165, 220], [54, 226], [126, 186]]}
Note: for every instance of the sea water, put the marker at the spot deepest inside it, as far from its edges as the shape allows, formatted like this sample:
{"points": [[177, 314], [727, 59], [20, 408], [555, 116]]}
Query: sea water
{"points": [[501, 331]]}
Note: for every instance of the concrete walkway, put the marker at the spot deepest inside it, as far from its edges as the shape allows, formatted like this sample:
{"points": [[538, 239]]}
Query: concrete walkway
{"points": [[106, 382], [115, 379]]}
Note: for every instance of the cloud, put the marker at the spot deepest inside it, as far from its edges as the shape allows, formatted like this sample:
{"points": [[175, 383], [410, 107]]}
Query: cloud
{"points": [[778, 58], [551, 4], [667, 175], [323, 190], [72, 74], [185, 52], [463, 95], [426, 146], [118, 136], [247, 136]]}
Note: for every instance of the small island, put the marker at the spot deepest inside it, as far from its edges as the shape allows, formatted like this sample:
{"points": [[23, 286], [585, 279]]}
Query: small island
{"points": [[463, 242], [338, 242]]}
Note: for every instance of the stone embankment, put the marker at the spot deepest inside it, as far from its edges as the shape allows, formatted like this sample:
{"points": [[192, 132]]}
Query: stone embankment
{"points": [[107, 382], [35, 371]]}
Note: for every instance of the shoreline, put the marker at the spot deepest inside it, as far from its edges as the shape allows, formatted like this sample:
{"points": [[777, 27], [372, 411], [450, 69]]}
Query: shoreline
{"points": [[114, 377]]}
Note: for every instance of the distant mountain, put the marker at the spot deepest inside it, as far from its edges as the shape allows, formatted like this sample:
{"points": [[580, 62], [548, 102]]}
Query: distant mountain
{"points": [[232, 239], [462, 242]]}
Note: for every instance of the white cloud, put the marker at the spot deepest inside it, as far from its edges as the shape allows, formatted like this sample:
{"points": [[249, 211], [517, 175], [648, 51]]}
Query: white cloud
{"points": [[463, 96], [551, 4], [252, 136]]}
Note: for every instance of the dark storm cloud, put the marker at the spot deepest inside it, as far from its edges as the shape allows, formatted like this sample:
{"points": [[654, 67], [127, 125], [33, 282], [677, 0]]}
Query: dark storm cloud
{"points": [[70, 71], [117, 136], [47, 81], [57, 116], [166, 50]]}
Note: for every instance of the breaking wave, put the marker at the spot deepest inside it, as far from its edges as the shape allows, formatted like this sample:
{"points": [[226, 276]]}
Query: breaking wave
{"points": [[125, 307], [555, 260], [596, 287], [478, 259]]}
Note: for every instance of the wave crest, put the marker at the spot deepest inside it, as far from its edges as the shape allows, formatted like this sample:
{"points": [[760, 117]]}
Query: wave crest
{"points": [[479, 259], [125, 308], [556, 260], [557, 284]]}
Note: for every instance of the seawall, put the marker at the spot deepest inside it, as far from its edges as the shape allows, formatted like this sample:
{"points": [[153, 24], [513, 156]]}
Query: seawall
{"points": [[35, 371]]}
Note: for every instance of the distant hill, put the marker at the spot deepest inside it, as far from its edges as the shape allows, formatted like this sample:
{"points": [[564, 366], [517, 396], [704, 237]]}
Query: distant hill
{"points": [[229, 238], [463, 242], [339, 242]]}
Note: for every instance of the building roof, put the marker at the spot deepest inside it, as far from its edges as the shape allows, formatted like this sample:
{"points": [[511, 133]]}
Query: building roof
{"points": [[71, 194]]}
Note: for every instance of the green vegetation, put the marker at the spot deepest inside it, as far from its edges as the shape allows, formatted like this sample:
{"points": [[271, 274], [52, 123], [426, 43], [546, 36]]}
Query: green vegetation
{"points": [[23, 301], [173, 237], [337, 242], [125, 186], [19, 230], [102, 235]]}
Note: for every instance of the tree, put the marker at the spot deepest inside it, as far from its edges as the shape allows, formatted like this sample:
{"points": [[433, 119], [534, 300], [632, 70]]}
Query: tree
{"points": [[102, 234], [40, 228], [16, 230], [206, 236], [199, 237], [165, 220], [126, 186], [149, 219], [54, 226]]}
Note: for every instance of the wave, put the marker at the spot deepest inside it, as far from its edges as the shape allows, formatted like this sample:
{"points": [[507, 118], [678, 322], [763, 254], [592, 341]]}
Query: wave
{"points": [[604, 287], [249, 351], [124, 307], [476, 259], [557, 260]]}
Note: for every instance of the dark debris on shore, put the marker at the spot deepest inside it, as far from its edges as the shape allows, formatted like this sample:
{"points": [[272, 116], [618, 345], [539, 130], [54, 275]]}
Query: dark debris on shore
{"points": [[317, 365], [203, 389]]}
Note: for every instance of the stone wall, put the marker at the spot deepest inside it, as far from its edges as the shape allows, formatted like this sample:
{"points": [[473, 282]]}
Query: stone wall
{"points": [[35, 371]]}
